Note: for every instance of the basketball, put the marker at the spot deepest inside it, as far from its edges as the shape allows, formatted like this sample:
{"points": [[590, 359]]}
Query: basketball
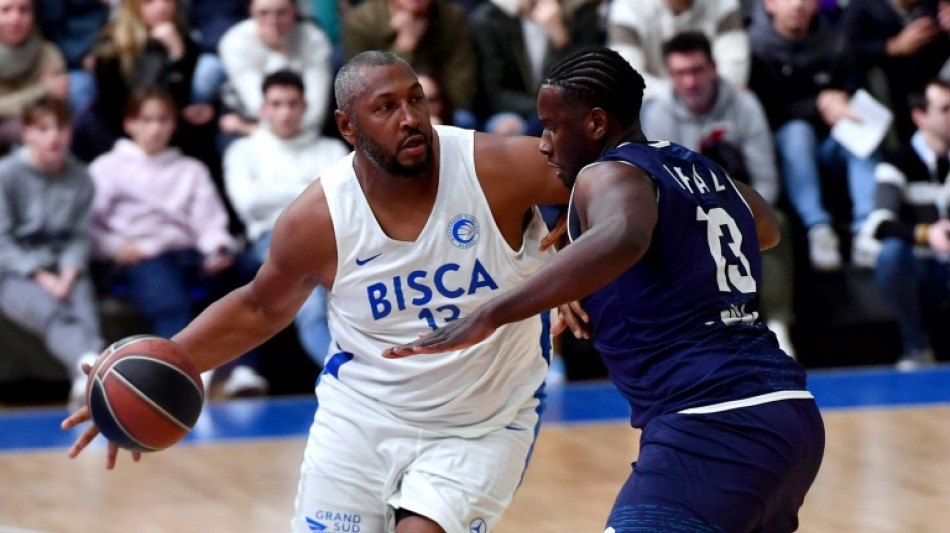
{"points": [[144, 393]]}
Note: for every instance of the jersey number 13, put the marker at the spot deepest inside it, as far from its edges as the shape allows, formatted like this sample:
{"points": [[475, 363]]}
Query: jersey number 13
{"points": [[729, 276]]}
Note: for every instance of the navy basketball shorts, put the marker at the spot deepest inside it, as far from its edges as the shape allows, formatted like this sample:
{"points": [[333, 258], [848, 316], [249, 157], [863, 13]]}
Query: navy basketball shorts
{"points": [[738, 471]]}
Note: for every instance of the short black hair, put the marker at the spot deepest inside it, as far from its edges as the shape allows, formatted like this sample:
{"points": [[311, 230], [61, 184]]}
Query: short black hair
{"points": [[600, 77], [918, 99], [689, 41], [283, 78]]}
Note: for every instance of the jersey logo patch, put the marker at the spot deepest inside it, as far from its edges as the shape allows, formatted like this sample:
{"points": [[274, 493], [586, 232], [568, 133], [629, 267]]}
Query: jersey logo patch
{"points": [[361, 262], [463, 231], [478, 526]]}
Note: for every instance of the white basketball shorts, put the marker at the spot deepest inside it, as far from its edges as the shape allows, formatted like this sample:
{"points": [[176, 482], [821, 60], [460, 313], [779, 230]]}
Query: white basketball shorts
{"points": [[361, 464]]}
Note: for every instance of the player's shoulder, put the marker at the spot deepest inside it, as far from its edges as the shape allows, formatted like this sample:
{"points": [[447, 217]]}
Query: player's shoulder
{"points": [[304, 231], [453, 134], [643, 153], [334, 175], [506, 151], [310, 207], [651, 159]]}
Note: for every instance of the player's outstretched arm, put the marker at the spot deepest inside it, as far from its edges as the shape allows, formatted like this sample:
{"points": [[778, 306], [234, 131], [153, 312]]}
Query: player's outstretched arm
{"points": [[302, 254], [617, 207]]}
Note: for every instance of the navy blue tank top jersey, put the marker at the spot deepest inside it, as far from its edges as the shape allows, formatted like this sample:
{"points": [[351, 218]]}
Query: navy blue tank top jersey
{"points": [[680, 329]]}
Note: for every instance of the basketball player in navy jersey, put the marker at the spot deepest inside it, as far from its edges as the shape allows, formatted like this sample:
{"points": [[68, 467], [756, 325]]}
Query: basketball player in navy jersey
{"points": [[665, 257], [420, 225]]}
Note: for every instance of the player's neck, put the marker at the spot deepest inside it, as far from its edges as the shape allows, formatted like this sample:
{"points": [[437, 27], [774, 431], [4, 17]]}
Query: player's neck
{"points": [[381, 186], [632, 135], [401, 205]]}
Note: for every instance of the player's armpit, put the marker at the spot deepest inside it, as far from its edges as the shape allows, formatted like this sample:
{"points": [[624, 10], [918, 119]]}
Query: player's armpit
{"points": [[556, 233], [766, 225]]}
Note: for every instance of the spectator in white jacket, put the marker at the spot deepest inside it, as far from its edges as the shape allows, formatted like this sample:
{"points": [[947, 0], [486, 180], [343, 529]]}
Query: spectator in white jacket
{"points": [[637, 29], [274, 38], [265, 171]]}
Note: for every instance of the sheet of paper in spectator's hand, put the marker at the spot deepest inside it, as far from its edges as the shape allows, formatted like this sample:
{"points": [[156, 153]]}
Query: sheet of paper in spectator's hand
{"points": [[862, 138]]}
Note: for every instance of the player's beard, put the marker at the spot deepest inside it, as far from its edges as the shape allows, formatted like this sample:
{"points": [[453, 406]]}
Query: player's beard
{"points": [[388, 162]]}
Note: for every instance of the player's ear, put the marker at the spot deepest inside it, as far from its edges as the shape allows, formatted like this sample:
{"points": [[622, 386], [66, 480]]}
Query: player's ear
{"points": [[597, 123], [345, 125]]}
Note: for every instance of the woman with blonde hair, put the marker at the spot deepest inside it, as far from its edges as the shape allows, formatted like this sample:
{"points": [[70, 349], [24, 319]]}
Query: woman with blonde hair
{"points": [[145, 45]]}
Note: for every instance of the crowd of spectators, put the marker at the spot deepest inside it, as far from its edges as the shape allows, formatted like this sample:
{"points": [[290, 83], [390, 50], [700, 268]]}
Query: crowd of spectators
{"points": [[225, 106]]}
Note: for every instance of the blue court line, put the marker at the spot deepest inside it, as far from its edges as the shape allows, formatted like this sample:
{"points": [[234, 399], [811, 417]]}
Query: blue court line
{"points": [[38, 429]]}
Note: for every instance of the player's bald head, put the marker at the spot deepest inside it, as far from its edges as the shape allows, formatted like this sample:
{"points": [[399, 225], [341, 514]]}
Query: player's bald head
{"points": [[350, 81]]}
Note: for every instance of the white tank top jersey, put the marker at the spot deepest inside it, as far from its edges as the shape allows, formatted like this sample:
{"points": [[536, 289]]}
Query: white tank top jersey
{"points": [[386, 292]]}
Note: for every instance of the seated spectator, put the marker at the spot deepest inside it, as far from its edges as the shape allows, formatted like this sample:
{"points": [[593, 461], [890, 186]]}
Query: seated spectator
{"points": [[265, 171], [803, 75], [637, 30], [511, 75], [440, 107], [210, 20], [145, 45], [911, 220], [73, 26], [426, 33], [329, 16], [30, 68], [274, 38], [908, 40], [158, 219], [45, 205], [703, 112]]}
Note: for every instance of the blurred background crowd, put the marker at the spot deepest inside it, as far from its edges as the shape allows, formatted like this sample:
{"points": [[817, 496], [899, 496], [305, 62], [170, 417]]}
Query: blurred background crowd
{"points": [[149, 146]]}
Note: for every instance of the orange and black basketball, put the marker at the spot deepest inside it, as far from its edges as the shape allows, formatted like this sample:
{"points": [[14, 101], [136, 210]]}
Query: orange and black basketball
{"points": [[144, 393]]}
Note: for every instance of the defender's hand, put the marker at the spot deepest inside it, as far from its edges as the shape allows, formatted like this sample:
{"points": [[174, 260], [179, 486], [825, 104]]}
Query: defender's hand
{"points": [[572, 315], [455, 335]]}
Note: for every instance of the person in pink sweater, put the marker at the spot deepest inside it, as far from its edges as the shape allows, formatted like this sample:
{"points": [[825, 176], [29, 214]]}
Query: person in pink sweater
{"points": [[158, 218]]}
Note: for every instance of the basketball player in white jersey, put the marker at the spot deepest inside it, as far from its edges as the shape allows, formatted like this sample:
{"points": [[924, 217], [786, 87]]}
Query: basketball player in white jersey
{"points": [[414, 229]]}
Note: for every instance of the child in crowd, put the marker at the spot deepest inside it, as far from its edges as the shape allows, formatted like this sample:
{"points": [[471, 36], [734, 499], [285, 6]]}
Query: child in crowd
{"points": [[159, 219], [147, 44], [46, 200]]}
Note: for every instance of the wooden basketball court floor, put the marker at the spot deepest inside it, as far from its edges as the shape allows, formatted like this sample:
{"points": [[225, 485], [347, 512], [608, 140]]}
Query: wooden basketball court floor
{"points": [[886, 467]]}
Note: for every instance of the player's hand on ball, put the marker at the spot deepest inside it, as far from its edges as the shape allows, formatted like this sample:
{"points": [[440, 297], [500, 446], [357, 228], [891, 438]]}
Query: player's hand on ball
{"points": [[455, 335], [81, 416]]}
